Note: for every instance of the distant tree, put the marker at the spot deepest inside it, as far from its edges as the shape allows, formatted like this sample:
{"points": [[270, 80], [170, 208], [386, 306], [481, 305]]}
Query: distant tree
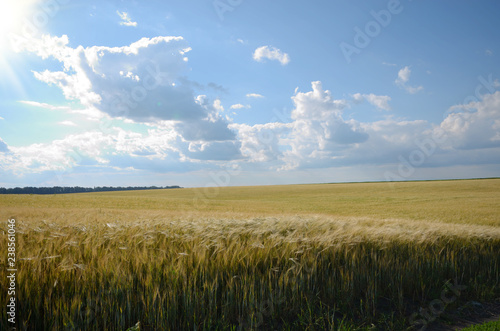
{"points": [[77, 189]]}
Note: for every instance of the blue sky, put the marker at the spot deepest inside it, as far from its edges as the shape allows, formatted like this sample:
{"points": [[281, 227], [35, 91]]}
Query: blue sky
{"points": [[235, 92]]}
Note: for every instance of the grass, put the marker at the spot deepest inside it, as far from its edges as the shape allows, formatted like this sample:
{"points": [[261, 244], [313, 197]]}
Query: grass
{"points": [[301, 257], [491, 326]]}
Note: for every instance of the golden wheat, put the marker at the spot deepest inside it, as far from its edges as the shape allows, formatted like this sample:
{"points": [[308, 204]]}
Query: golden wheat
{"points": [[110, 268]]}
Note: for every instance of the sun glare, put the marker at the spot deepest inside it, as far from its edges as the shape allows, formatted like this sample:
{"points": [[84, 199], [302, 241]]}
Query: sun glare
{"points": [[13, 15]]}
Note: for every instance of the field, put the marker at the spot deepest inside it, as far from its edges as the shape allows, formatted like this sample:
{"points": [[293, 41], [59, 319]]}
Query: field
{"points": [[355, 256]]}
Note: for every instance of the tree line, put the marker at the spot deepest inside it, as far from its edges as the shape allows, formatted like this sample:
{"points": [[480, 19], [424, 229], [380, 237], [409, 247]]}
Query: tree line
{"points": [[77, 189]]}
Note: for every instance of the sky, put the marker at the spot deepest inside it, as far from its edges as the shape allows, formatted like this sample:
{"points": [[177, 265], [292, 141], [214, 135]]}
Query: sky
{"points": [[234, 92]]}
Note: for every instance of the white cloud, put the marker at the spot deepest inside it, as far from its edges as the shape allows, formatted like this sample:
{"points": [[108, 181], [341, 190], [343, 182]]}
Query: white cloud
{"points": [[261, 143], [379, 101], [91, 113], [474, 125], [317, 104], [139, 82], [126, 20], [91, 148], [67, 123], [45, 105], [319, 137], [161, 150], [319, 132], [1, 118], [215, 129], [3, 147], [403, 78], [315, 136], [134, 83], [488, 52], [413, 89], [254, 95], [404, 75], [239, 106], [58, 155], [271, 53], [214, 150]]}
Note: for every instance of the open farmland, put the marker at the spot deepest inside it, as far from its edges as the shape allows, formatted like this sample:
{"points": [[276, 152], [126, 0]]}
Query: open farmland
{"points": [[295, 257]]}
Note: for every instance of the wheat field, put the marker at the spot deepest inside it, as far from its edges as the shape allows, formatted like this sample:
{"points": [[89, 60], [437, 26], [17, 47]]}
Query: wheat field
{"points": [[362, 256]]}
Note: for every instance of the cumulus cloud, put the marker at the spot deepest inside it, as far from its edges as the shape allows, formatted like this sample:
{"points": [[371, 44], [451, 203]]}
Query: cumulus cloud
{"points": [[58, 155], [116, 149], [126, 20], [379, 101], [474, 125], [148, 91], [319, 132], [214, 150], [403, 79], [67, 123], [213, 127], [95, 77], [254, 95], [261, 143], [205, 130], [141, 82], [239, 106], [319, 137], [3, 146], [404, 75], [317, 104], [271, 53]]}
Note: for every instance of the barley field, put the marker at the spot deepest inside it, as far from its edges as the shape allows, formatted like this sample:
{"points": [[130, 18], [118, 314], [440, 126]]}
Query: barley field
{"points": [[359, 256]]}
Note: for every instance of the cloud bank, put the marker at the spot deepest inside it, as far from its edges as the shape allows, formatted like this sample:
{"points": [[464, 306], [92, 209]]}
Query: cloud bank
{"points": [[143, 83]]}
